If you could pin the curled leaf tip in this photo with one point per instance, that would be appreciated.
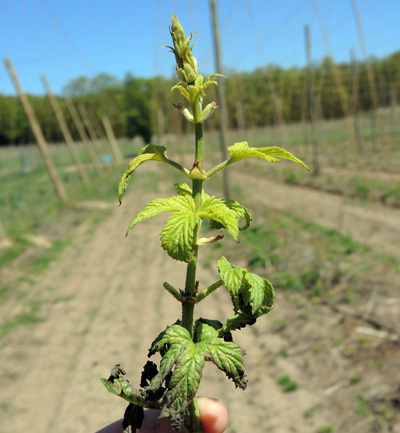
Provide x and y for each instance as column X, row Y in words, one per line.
column 211, row 239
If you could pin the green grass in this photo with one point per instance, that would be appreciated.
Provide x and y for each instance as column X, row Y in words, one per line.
column 42, row 261
column 299, row 256
column 287, row 384
column 29, row 205
column 362, row 405
column 326, row 429
column 30, row 316
column 309, row 413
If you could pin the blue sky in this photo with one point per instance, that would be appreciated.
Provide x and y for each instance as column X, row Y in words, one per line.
column 67, row 39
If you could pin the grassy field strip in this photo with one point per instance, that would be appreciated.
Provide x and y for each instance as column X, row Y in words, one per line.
column 371, row 224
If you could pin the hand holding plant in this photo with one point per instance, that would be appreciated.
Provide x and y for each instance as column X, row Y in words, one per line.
column 187, row 344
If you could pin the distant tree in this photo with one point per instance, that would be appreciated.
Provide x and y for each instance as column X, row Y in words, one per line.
column 76, row 87
column 136, row 107
column 102, row 82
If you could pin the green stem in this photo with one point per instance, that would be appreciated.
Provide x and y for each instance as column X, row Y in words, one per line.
column 172, row 291
column 178, row 166
column 209, row 290
column 195, row 416
column 217, row 168
column 199, row 143
column 190, row 284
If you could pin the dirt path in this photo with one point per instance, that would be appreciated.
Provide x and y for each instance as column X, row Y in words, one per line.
column 90, row 303
column 104, row 286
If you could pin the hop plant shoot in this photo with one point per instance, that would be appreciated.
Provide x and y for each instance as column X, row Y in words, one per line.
column 186, row 345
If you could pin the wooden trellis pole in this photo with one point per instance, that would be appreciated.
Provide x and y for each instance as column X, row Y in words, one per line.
column 112, row 139
column 89, row 127
column 37, row 132
column 65, row 131
column 85, row 139
column 312, row 104
column 98, row 129
column 356, row 112
column 371, row 81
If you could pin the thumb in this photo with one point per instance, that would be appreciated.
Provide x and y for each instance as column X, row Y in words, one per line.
column 213, row 415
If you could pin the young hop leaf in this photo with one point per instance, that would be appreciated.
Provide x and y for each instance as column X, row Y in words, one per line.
column 148, row 153
column 240, row 151
column 182, row 364
column 177, row 234
column 226, row 355
column 217, row 210
column 252, row 296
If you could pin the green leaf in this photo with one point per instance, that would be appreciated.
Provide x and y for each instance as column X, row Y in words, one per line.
column 184, row 383
column 177, row 234
column 257, row 291
column 252, row 296
column 269, row 298
column 166, row 365
column 185, row 360
column 240, row 151
column 183, row 189
column 232, row 277
column 175, row 334
column 238, row 321
column 183, row 91
column 226, row 355
column 241, row 213
column 160, row 205
column 109, row 386
column 148, row 153
column 217, row 210
column 124, row 389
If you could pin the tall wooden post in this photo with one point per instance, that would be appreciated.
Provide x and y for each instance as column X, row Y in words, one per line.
column 356, row 112
column 372, row 85
column 98, row 130
column 312, row 104
column 65, row 131
column 112, row 139
column 221, row 97
column 37, row 132
column 89, row 127
column 85, row 139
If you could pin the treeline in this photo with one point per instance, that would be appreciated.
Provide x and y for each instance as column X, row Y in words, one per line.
column 266, row 96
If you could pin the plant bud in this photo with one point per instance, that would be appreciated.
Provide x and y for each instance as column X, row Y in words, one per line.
column 206, row 113
column 177, row 32
column 185, row 111
column 187, row 65
column 190, row 73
